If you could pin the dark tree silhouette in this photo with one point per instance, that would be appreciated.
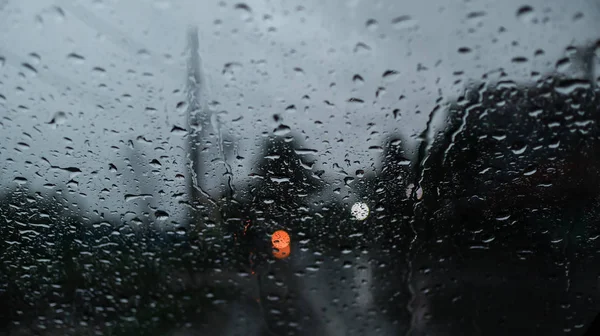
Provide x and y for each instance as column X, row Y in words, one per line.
column 70, row 269
column 286, row 179
column 511, row 188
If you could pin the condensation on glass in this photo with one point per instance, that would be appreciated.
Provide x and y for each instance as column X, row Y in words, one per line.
column 299, row 168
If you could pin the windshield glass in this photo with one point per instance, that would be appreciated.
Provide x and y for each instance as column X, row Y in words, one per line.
column 309, row 167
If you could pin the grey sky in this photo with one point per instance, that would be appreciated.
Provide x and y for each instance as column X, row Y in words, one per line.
column 114, row 67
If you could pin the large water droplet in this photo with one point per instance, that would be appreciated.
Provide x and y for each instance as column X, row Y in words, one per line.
column 155, row 164
column 20, row 180
column 526, row 14
column 23, row 146
column 390, row 75
column 179, row 131
column 161, row 215
column 245, row 11
column 357, row 79
column 282, row 130
column 30, row 71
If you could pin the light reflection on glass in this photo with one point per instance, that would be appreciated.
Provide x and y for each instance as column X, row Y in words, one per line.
column 360, row 211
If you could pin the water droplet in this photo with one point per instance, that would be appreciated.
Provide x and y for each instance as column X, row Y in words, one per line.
column 150, row 110
column 59, row 118
column 290, row 109
column 475, row 16
column 282, row 130
column 179, row 131
column 73, row 171
column 355, row 100
column 361, row 47
column 161, row 215
column 76, row 58
column 29, row 69
column 282, row 253
column 143, row 53
column 245, row 11
column 464, row 50
column 20, row 180
column 98, row 71
column 162, row 4
column 390, row 75
column 525, row 13
column 357, row 79
column 59, row 14
column 230, row 69
column 35, row 58
column 305, row 151
column 404, row 22
column 372, row 24
column 377, row 149
column 23, row 146
column 567, row 87
column 279, row 179
column 155, row 164
column 530, row 171
column 563, row 64
column 519, row 59
column 280, row 239
column 535, row 113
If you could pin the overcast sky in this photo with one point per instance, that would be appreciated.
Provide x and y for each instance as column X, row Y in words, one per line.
column 103, row 79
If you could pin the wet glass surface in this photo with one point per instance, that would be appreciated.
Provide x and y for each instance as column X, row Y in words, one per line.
column 299, row 168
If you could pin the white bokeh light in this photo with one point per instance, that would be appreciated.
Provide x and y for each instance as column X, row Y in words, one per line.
column 360, row 210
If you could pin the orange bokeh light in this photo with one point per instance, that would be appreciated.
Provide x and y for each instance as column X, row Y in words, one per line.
column 280, row 239
column 282, row 253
